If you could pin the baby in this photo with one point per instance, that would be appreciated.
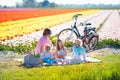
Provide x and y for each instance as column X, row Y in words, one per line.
column 47, row 56
column 78, row 51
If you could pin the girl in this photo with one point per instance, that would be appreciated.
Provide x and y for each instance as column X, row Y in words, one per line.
column 61, row 52
column 78, row 51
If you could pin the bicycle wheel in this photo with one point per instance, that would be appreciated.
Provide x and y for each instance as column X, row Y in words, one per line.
column 67, row 35
column 93, row 42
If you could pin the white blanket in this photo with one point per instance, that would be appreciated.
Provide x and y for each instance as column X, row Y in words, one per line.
column 88, row 59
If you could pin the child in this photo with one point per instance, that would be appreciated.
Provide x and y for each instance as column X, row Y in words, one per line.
column 77, row 52
column 61, row 52
column 47, row 56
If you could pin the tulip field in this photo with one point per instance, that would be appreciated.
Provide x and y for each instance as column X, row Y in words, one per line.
column 16, row 14
column 15, row 24
column 111, row 28
column 12, row 29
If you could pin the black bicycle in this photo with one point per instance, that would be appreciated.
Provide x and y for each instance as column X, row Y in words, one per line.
column 89, row 38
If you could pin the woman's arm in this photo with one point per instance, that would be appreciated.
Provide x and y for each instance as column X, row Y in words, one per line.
column 41, row 48
column 55, row 54
column 65, row 52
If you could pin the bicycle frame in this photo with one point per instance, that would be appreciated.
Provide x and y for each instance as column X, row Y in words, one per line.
column 75, row 29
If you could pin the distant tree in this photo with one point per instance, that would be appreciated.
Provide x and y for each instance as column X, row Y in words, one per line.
column 18, row 5
column 52, row 5
column 34, row 3
column 39, row 4
column 45, row 3
column 29, row 3
column 4, row 6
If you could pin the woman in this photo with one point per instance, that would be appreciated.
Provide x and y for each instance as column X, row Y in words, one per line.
column 44, row 41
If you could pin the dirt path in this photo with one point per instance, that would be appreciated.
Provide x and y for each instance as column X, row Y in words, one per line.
column 99, row 19
column 103, row 52
column 111, row 28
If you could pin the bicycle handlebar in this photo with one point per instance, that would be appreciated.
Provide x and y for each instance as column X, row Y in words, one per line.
column 76, row 15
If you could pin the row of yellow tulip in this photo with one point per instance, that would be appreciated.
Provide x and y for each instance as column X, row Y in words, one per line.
column 11, row 29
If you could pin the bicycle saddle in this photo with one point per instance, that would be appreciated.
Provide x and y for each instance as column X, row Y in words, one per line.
column 87, row 23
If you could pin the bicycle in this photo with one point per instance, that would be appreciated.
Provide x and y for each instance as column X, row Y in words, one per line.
column 89, row 38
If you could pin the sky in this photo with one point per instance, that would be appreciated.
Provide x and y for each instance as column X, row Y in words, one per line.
column 13, row 2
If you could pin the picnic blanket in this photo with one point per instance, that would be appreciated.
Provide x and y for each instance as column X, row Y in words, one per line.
column 30, row 60
column 88, row 59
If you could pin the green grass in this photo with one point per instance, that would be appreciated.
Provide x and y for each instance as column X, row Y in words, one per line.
column 23, row 48
column 106, row 70
column 109, row 43
column 19, row 49
column 54, row 39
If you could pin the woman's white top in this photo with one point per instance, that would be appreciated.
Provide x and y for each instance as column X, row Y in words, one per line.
column 61, row 53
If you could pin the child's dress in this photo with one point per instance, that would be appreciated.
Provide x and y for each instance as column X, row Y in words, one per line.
column 63, row 60
column 61, row 53
column 76, row 56
column 47, row 57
